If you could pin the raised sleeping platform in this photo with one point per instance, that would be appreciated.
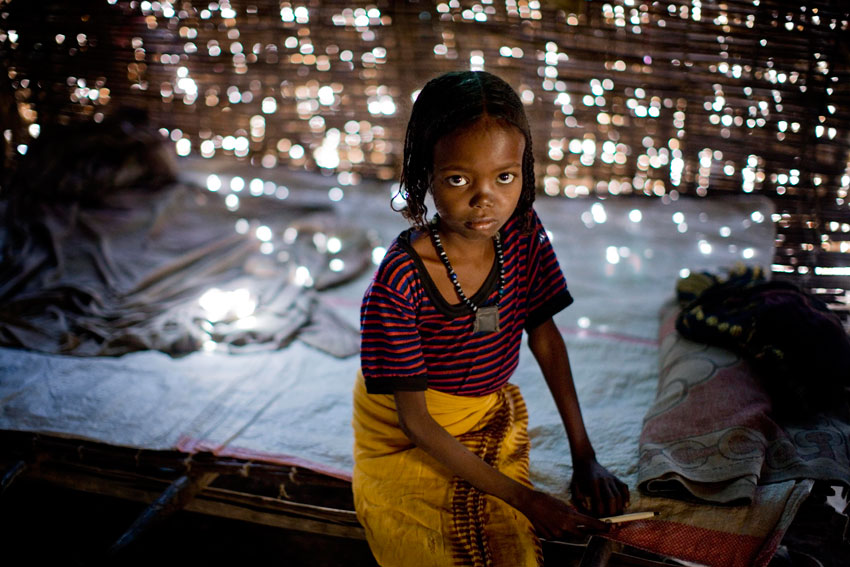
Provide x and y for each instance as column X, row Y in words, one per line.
column 196, row 198
column 243, row 430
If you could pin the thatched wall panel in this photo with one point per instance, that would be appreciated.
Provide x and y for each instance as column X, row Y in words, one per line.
column 762, row 86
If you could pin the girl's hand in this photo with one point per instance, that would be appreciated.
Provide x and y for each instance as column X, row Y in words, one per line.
column 554, row 518
column 597, row 491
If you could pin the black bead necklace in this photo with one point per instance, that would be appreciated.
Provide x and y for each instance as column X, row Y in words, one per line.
column 486, row 318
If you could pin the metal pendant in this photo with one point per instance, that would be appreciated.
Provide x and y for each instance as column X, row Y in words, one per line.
column 486, row 319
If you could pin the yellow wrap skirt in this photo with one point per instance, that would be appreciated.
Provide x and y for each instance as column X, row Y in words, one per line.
column 416, row 513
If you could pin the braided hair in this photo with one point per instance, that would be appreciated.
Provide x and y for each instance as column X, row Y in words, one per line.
column 446, row 104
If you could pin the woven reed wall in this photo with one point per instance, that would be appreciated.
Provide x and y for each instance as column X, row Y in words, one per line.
column 658, row 99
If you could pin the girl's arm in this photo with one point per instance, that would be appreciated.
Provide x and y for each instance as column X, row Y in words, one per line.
column 593, row 486
column 552, row 517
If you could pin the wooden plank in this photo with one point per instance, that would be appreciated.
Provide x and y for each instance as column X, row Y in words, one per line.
column 213, row 501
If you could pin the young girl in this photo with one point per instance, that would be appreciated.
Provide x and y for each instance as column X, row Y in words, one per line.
column 441, row 443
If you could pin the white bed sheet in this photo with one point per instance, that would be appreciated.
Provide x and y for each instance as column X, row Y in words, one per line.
column 296, row 402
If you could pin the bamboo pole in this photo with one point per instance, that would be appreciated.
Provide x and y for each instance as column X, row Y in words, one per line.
column 10, row 475
column 176, row 497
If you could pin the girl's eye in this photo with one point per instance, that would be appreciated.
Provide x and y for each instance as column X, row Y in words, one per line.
column 506, row 178
column 456, row 181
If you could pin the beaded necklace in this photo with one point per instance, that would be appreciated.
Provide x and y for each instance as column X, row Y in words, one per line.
column 486, row 318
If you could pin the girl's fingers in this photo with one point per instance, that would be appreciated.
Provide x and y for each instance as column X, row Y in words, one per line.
column 607, row 500
column 624, row 492
column 590, row 524
column 597, row 497
column 618, row 501
column 612, row 498
column 608, row 496
column 581, row 500
column 623, row 496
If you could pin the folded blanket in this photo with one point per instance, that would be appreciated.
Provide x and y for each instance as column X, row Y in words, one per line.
column 711, row 434
column 724, row 474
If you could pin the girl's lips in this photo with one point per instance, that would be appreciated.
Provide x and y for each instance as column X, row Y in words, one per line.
column 480, row 224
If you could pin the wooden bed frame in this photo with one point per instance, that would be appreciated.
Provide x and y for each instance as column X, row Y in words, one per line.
column 289, row 498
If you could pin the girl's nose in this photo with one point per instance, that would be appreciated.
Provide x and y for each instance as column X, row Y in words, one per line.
column 483, row 194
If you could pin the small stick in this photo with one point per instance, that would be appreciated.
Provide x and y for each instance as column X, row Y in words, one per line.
column 13, row 473
column 629, row 517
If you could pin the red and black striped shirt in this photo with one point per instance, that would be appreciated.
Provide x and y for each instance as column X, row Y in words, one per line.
column 413, row 339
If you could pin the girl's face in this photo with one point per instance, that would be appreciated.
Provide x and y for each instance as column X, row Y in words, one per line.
column 477, row 178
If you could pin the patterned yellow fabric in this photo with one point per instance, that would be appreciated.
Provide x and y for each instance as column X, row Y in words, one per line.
column 414, row 510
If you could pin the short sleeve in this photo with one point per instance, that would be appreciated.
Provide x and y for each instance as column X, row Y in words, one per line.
column 547, row 286
column 391, row 356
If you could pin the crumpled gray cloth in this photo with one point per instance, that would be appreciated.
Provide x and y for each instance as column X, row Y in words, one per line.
column 127, row 273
